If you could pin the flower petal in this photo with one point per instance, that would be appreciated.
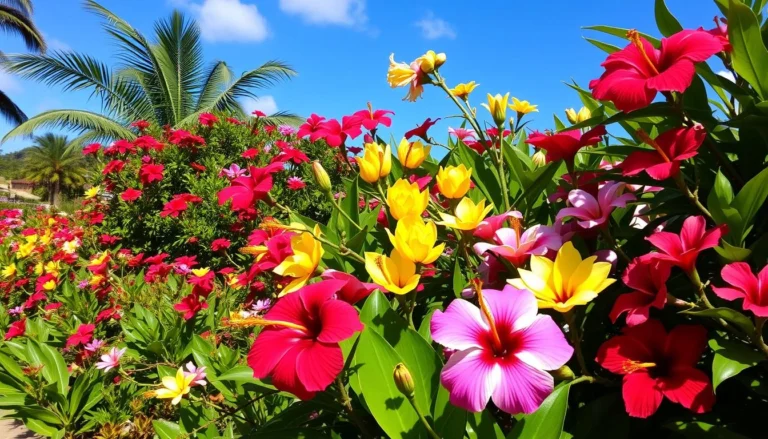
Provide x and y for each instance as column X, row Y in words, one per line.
column 543, row 345
column 522, row 388
column 470, row 378
column 685, row 344
column 318, row 365
column 339, row 321
column 641, row 396
column 460, row 327
column 690, row 388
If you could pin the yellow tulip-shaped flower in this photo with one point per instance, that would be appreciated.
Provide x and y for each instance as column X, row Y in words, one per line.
column 174, row 388
column 463, row 90
column 468, row 215
column 399, row 74
column 581, row 116
column 395, row 273
column 25, row 250
column 9, row 271
column 522, row 107
column 431, row 60
column 375, row 163
column 404, row 199
column 412, row 154
column 453, row 181
column 567, row 282
column 497, row 106
column 92, row 192
column 302, row 264
column 415, row 240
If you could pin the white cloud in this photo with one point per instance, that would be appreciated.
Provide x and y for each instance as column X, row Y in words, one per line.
column 339, row 12
column 727, row 74
column 47, row 104
column 433, row 28
column 266, row 104
column 227, row 20
column 9, row 84
column 54, row 44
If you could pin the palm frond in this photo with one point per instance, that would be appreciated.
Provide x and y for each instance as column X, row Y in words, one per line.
column 10, row 111
column 16, row 21
column 75, row 120
column 217, row 78
column 24, row 5
column 269, row 74
column 285, row 118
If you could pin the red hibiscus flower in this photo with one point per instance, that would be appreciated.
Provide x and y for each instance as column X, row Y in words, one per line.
column 121, row 146
column 335, row 133
column 220, row 244
column 657, row 365
column 421, row 130
column 353, row 290
column 312, row 128
column 174, row 208
column 234, row 121
column 141, row 125
column 291, row 155
column 109, row 313
column 634, row 75
column 147, row 143
column 720, row 32
column 17, row 329
column 190, row 305
column 565, row 145
column 207, row 119
column 151, row 172
column 671, row 148
column 743, row 284
column 250, row 153
column 647, row 277
column 371, row 119
column 130, row 195
column 259, row 113
column 83, row 335
column 246, row 191
column 184, row 138
column 197, row 167
column 299, row 346
column 93, row 148
column 683, row 249
column 106, row 239
column 113, row 166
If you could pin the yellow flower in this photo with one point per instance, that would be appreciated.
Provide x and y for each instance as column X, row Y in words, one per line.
column 463, row 90
column 581, row 116
column 412, row 154
column 522, row 107
column 38, row 270
column 96, row 280
column 399, row 74
column 70, row 246
column 233, row 281
column 53, row 267
column 415, row 240
column 50, row 285
column 567, row 282
column 395, row 273
column 9, row 271
column 175, row 387
column 468, row 215
column 404, row 199
column 375, row 163
column 497, row 106
column 302, row 264
column 430, row 61
column 46, row 237
column 453, row 181
column 92, row 192
column 200, row 272
column 25, row 250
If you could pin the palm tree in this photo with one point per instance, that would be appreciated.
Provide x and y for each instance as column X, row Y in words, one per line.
column 16, row 18
column 164, row 81
column 56, row 162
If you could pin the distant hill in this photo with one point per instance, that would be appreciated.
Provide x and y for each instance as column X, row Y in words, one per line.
column 10, row 164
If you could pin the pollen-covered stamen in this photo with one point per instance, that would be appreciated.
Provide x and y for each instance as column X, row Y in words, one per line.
column 238, row 321
column 370, row 109
column 631, row 366
column 477, row 285
column 647, row 139
column 516, row 226
column 634, row 37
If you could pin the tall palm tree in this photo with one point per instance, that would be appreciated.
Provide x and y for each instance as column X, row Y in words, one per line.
column 56, row 162
column 16, row 18
column 164, row 81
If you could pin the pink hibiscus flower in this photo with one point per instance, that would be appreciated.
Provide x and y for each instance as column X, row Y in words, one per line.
column 682, row 250
column 565, row 145
column 671, row 148
column 647, row 278
column 246, row 191
column 745, row 285
column 590, row 211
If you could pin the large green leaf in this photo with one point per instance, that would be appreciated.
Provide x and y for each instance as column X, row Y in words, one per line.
column 751, row 198
column 166, row 429
column 750, row 57
column 546, row 422
column 728, row 315
column 666, row 22
column 483, row 426
column 730, row 359
column 450, row 421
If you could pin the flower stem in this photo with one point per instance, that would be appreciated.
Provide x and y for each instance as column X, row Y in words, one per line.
column 424, row 420
column 693, row 197
column 346, row 402
column 757, row 336
column 341, row 211
column 614, row 245
column 573, row 328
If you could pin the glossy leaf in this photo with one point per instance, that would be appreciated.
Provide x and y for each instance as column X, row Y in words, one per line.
column 666, row 22
column 731, row 358
column 728, row 315
column 750, row 57
column 166, row 429
column 546, row 422
column 450, row 421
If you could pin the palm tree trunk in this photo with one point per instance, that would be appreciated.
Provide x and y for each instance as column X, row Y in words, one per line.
column 54, row 191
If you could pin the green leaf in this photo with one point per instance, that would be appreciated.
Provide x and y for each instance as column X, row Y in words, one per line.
column 666, row 22
column 605, row 47
column 242, row 375
column 166, row 429
column 483, row 426
column 57, row 367
column 546, row 422
column 750, row 57
column 751, row 198
column 458, row 278
column 731, row 253
column 622, row 33
column 376, row 361
column 730, row 359
column 728, row 315
column 450, row 421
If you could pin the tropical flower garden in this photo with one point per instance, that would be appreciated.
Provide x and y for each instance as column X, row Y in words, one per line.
column 240, row 277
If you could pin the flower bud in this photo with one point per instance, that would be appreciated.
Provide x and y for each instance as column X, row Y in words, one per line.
column 581, row 116
column 321, row 177
column 440, row 60
column 563, row 374
column 570, row 113
column 539, row 158
column 404, row 380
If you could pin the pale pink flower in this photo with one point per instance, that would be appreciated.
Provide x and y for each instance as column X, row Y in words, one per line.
column 591, row 212
column 516, row 246
column 197, row 372
column 511, row 369
column 261, row 306
column 16, row 311
column 234, row 171
column 463, row 133
column 94, row 345
column 111, row 359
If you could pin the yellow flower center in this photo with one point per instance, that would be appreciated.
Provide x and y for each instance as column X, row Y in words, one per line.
column 631, row 366
column 498, row 348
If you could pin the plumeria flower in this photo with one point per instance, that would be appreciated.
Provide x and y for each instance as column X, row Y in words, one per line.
column 262, row 306
column 743, row 284
column 233, row 172
column 94, row 345
column 197, row 373
column 590, row 211
column 516, row 245
column 503, row 350
column 175, row 387
column 111, row 360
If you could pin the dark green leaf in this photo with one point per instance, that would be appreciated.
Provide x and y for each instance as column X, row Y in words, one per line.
column 750, row 57
column 730, row 359
column 547, row 421
column 666, row 22
column 728, row 315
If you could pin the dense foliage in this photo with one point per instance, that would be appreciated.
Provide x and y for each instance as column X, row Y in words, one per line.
column 603, row 278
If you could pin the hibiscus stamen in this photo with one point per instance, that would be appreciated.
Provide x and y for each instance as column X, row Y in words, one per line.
column 634, row 37
column 647, row 139
column 516, row 226
column 248, row 322
column 370, row 109
column 631, row 366
column 498, row 348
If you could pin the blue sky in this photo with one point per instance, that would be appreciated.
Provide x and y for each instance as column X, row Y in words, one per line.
column 340, row 48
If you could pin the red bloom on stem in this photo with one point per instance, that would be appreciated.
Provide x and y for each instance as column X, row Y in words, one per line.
column 207, row 119
column 647, row 277
column 312, row 128
column 220, row 244
column 299, row 346
column 109, row 313
column 721, row 33
column 17, row 329
column 291, row 155
column 130, row 195
column 743, row 284
column 670, row 149
column 421, row 130
column 371, row 119
column 83, row 335
column 259, row 113
column 657, row 365
column 93, row 148
column 295, row 183
column 565, row 145
column 147, row 143
column 184, row 138
column 683, row 249
column 190, row 305
column 335, row 133
column 141, row 125
column 246, row 191
column 174, row 208
column 149, row 173
column 250, row 153
column 121, row 146
column 636, row 73
column 113, row 166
